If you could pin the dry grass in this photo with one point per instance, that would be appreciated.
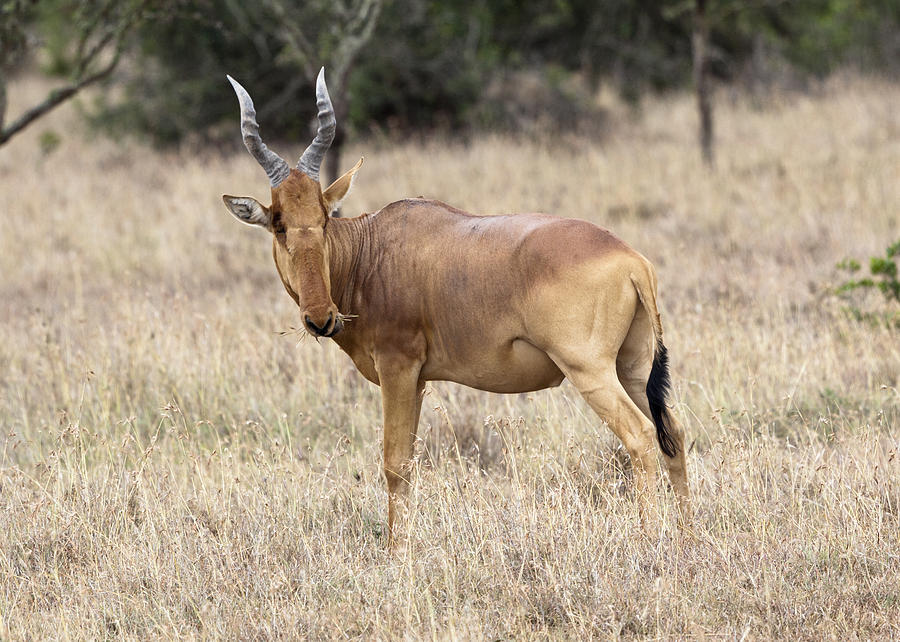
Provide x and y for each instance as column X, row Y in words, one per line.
column 171, row 465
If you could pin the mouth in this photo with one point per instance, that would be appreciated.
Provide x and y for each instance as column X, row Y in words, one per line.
column 332, row 326
column 336, row 327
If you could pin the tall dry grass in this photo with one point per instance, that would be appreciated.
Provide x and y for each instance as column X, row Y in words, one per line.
column 172, row 465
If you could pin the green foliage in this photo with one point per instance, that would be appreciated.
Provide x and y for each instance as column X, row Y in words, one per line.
column 823, row 35
column 178, row 89
column 639, row 45
column 433, row 63
column 49, row 141
column 428, row 67
column 14, row 16
column 883, row 277
column 74, row 34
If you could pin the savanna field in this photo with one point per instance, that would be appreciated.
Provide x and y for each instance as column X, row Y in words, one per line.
column 176, row 461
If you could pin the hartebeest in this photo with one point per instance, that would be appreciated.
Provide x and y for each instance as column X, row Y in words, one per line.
column 500, row 303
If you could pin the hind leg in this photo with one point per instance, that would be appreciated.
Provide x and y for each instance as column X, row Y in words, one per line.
column 600, row 387
column 633, row 365
column 675, row 466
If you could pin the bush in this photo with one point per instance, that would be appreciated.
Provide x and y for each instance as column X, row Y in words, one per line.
column 883, row 277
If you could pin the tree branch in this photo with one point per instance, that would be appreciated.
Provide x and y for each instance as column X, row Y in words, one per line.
column 2, row 99
column 298, row 46
column 112, row 39
column 90, row 26
column 352, row 43
column 54, row 99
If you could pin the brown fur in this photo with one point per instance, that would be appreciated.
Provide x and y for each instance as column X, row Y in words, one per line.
column 502, row 303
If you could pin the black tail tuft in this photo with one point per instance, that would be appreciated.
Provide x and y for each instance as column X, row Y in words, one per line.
column 657, row 391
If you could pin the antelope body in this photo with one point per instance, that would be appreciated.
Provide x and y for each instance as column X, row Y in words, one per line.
column 500, row 303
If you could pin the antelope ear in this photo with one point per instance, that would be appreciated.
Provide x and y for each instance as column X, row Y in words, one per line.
column 339, row 189
column 248, row 210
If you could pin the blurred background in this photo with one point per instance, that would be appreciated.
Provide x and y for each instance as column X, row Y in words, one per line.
column 397, row 67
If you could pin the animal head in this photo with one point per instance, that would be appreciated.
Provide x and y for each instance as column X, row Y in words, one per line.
column 299, row 212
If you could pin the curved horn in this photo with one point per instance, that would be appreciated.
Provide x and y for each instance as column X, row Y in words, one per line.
column 311, row 160
column 276, row 167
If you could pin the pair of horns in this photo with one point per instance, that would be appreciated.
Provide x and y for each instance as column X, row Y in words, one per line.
column 276, row 167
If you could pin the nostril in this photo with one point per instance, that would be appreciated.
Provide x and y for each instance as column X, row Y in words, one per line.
column 320, row 330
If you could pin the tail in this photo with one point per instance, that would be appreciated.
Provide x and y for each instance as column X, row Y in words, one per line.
column 658, row 384
column 657, row 391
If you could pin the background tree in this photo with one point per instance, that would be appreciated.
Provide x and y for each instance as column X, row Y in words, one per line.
column 87, row 40
column 306, row 46
column 422, row 65
column 700, row 40
column 274, row 48
column 13, row 43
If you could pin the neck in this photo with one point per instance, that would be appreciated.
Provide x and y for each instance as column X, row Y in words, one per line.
column 346, row 240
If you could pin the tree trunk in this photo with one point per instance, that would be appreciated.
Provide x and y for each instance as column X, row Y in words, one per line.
column 701, row 81
column 2, row 99
column 334, row 166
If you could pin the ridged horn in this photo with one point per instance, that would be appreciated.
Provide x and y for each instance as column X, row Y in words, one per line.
column 311, row 160
column 276, row 167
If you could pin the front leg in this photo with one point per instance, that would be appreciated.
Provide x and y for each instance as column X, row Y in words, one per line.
column 401, row 399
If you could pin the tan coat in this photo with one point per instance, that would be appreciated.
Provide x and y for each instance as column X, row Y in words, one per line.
column 421, row 291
